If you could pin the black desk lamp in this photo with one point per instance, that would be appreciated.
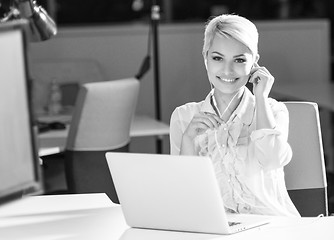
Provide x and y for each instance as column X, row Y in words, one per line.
column 41, row 25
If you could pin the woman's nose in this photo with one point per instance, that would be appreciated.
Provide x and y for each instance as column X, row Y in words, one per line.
column 227, row 68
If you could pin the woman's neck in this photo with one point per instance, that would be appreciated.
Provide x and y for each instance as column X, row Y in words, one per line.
column 227, row 103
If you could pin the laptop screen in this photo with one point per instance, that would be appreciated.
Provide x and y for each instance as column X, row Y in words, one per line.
column 19, row 165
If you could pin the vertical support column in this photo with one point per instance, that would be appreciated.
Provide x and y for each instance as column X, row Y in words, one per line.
column 155, row 17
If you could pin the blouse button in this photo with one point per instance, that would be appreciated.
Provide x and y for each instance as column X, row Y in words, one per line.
column 223, row 145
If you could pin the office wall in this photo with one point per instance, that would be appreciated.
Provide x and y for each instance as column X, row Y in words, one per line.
column 292, row 50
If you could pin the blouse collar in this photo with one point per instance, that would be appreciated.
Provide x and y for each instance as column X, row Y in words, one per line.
column 244, row 112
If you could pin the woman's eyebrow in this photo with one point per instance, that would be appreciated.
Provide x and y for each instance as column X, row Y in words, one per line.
column 240, row 55
column 218, row 53
column 236, row 56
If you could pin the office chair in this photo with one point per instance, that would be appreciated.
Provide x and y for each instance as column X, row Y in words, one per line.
column 101, row 122
column 305, row 175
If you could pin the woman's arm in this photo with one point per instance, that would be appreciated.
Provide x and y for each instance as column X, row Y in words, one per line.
column 272, row 122
column 270, row 146
column 264, row 114
column 262, row 83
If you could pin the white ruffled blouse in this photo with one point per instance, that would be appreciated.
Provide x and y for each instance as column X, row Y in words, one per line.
column 248, row 163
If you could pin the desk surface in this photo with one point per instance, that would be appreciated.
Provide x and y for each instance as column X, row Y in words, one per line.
column 94, row 216
column 54, row 141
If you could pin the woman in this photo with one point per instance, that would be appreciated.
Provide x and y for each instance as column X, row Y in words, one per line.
column 244, row 133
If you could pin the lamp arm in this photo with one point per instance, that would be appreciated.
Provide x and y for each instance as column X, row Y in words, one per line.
column 42, row 25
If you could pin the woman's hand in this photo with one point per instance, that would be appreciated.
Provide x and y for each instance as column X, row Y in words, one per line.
column 198, row 125
column 262, row 81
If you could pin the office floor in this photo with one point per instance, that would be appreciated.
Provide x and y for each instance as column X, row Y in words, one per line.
column 55, row 181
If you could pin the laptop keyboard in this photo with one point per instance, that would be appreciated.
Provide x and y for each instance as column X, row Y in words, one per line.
column 233, row 223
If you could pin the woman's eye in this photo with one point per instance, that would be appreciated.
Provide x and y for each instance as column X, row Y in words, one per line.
column 217, row 58
column 240, row 60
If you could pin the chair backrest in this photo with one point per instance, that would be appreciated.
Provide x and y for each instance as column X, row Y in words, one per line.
column 103, row 114
column 305, row 175
column 101, row 122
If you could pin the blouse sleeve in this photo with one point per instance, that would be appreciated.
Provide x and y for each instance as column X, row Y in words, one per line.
column 270, row 146
column 175, row 133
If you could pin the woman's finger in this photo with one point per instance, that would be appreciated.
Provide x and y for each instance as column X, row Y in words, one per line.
column 214, row 118
column 207, row 121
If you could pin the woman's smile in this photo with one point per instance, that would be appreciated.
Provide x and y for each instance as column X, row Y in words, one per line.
column 227, row 80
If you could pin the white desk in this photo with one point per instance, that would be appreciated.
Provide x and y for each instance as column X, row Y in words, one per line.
column 54, row 141
column 94, row 216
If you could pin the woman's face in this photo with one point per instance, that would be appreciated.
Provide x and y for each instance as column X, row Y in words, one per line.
column 228, row 64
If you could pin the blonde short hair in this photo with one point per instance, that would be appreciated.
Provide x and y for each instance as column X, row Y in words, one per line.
column 230, row 25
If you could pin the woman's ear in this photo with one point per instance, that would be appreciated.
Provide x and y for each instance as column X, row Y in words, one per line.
column 205, row 61
column 257, row 57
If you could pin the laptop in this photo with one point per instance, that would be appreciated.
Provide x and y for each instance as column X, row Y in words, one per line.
column 168, row 192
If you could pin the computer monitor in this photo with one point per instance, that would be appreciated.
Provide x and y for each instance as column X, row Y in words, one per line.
column 20, row 171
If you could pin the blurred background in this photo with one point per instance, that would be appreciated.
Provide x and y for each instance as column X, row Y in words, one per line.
column 89, row 12
column 106, row 12
column 108, row 39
